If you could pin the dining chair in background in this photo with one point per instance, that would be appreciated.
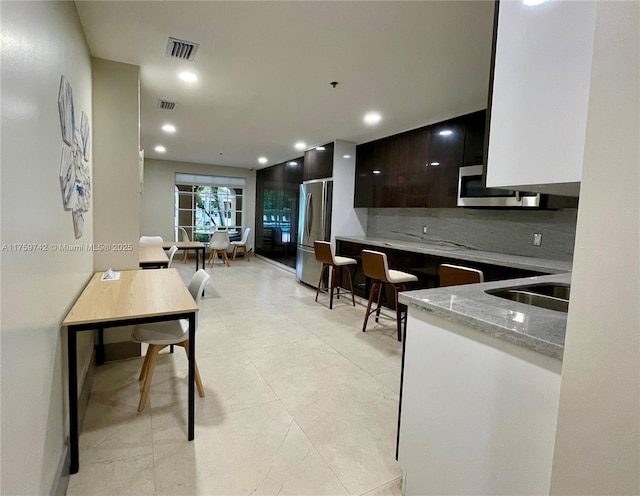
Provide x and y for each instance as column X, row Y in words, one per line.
column 151, row 239
column 242, row 244
column 172, row 252
column 184, row 237
column 159, row 335
column 219, row 244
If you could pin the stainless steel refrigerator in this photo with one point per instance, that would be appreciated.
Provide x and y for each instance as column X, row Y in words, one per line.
column 314, row 224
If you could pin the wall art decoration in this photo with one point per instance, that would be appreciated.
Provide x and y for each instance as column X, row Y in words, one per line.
column 65, row 107
column 75, row 172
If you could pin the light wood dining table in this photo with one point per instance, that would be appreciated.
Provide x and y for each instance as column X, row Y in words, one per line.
column 136, row 297
column 196, row 246
column 152, row 255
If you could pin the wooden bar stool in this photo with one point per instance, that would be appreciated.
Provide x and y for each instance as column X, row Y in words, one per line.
column 376, row 267
column 324, row 254
column 454, row 275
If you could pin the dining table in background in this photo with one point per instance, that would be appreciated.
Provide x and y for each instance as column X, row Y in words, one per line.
column 152, row 255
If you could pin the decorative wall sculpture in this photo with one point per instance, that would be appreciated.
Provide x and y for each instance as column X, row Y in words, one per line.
column 75, row 174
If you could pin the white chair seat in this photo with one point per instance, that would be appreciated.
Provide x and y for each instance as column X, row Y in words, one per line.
column 397, row 277
column 338, row 260
column 170, row 332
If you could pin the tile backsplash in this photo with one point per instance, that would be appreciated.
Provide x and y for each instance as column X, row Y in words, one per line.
column 496, row 230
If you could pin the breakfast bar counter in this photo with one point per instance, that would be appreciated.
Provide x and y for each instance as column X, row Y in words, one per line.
column 453, row 251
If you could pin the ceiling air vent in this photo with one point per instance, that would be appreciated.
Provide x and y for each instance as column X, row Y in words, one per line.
column 166, row 105
column 181, row 49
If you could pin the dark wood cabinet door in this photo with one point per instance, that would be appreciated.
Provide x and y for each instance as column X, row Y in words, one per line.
column 385, row 172
column 318, row 164
column 363, row 195
column 413, row 187
column 474, row 138
column 445, row 153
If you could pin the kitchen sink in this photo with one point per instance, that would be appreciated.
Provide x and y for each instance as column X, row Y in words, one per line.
column 549, row 296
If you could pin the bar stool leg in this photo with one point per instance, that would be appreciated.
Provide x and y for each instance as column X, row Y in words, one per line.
column 324, row 266
column 332, row 285
column 372, row 295
column 380, row 296
column 353, row 298
column 398, row 313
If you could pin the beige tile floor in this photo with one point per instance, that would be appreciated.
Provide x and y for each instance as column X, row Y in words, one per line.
column 299, row 401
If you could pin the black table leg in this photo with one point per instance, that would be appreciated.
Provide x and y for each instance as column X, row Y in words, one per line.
column 100, row 347
column 73, row 400
column 192, row 374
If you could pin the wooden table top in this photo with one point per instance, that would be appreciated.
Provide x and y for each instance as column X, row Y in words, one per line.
column 152, row 253
column 183, row 244
column 138, row 293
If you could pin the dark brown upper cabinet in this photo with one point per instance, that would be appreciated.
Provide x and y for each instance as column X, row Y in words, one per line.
column 318, row 164
column 474, row 138
column 418, row 168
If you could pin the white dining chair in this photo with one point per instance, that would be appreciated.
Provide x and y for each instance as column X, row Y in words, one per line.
column 219, row 244
column 184, row 237
column 159, row 335
column 172, row 252
column 241, row 245
column 151, row 239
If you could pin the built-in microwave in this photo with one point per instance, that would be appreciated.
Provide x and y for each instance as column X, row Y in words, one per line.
column 473, row 193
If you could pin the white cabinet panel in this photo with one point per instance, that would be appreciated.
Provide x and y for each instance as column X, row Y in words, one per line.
column 478, row 414
column 541, row 85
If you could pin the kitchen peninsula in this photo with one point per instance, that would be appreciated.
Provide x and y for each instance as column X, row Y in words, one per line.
column 480, row 390
column 481, row 374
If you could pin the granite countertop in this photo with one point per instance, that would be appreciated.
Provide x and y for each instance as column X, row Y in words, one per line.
column 535, row 328
column 460, row 253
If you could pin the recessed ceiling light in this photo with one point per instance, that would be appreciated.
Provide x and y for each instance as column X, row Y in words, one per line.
column 189, row 77
column 435, row 164
column 376, row 171
column 293, row 163
column 346, row 156
column 446, row 132
column 263, row 160
column 372, row 118
column 169, row 128
column 300, row 145
column 320, row 148
column 160, row 149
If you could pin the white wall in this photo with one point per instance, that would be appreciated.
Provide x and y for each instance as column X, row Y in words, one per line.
column 345, row 220
column 158, row 198
column 116, row 147
column 40, row 42
column 597, row 449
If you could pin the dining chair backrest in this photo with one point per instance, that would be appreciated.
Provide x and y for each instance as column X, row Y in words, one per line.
column 245, row 236
column 454, row 275
column 220, row 240
column 172, row 252
column 151, row 239
column 184, row 236
column 324, row 252
column 197, row 283
column 375, row 265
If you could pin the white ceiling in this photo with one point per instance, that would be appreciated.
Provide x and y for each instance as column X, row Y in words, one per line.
column 264, row 70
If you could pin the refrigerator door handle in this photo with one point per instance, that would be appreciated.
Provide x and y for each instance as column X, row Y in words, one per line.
column 309, row 215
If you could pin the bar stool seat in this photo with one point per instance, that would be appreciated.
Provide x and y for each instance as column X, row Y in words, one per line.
column 324, row 255
column 376, row 267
